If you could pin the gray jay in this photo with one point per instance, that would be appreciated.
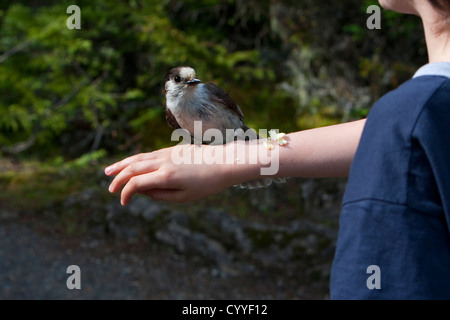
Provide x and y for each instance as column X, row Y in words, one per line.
column 189, row 100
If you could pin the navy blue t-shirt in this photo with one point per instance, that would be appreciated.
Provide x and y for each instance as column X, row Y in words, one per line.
column 394, row 235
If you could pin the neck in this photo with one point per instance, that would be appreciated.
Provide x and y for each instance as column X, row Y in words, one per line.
column 437, row 33
column 438, row 45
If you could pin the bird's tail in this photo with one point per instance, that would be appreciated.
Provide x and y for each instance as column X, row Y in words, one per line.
column 260, row 183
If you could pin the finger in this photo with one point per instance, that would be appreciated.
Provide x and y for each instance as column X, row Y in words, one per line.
column 120, row 165
column 143, row 182
column 133, row 169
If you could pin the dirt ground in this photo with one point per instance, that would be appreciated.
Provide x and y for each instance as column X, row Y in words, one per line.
column 34, row 258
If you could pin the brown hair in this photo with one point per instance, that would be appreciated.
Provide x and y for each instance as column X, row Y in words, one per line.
column 443, row 5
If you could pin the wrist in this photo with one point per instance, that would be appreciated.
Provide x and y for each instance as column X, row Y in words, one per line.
column 242, row 161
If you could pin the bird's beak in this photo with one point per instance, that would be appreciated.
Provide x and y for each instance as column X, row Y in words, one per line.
column 193, row 81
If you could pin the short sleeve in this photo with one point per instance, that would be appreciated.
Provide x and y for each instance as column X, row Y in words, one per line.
column 432, row 131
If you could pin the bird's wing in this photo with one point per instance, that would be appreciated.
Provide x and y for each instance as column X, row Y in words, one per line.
column 171, row 120
column 221, row 96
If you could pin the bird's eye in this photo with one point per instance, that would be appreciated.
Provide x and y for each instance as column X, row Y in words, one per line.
column 177, row 79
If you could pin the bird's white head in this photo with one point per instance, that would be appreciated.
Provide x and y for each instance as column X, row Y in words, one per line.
column 180, row 78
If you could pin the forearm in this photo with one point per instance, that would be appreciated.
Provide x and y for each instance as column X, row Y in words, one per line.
column 315, row 153
column 167, row 174
column 321, row 152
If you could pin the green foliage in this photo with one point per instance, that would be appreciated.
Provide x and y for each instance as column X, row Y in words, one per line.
column 289, row 64
column 35, row 186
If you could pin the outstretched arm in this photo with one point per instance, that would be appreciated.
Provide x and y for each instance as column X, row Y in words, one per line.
column 321, row 152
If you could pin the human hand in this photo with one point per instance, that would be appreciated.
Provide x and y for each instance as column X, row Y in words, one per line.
column 158, row 176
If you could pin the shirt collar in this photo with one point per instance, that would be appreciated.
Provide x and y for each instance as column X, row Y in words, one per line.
column 434, row 69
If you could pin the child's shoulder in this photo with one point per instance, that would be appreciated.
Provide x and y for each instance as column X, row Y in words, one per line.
column 414, row 94
column 424, row 86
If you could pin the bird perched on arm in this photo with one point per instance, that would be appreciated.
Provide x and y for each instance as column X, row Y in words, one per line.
column 189, row 100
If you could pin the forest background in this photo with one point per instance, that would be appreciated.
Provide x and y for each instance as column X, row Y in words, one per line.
column 75, row 100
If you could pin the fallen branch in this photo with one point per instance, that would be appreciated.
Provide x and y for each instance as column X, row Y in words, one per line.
column 15, row 50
